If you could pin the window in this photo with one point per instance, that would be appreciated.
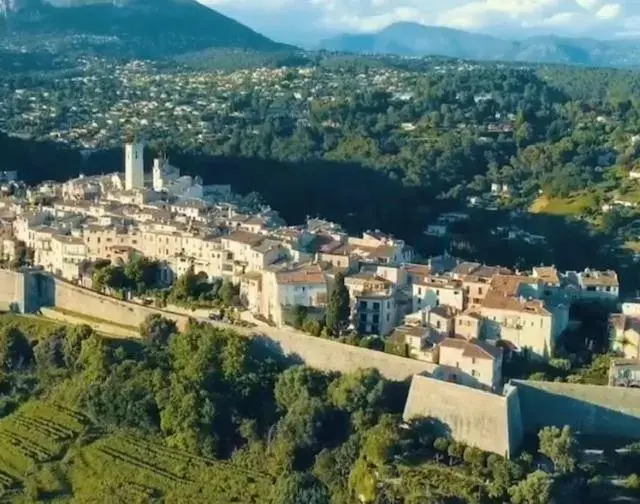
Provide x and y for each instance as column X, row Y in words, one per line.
column 479, row 291
column 363, row 305
column 438, row 324
column 457, row 364
column 388, row 317
column 474, row 373
column 419, row 291
column 376, row 319
column 473, row 360
column 376, row 306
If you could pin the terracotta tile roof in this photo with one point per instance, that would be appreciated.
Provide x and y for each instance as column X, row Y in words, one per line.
column 475, row 349
column 256, row 220
column 399, row 333
column 305, row 274
column 418, row 269
column 245, row 237
column 599, row 278
column 266, row 246
column 444, row 311
column 513, row 304
column 548, row 274
column 508, row 285
column 465, row 268
column 491, row 271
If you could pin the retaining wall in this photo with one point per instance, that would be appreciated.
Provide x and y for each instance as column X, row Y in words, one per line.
column 12, row 291
column 468, row 415
column 587, row 409
column 87, row 302
column 333, row 356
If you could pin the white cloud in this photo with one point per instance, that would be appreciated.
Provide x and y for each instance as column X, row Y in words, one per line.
column 588, row 4
column 594, row 18
column 558, row 20
column 609, row 11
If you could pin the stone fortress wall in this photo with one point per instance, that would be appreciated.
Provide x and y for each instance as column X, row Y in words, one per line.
column 475, row 417
column 491, row 422
column 12, row 291
column 588, row 409
column 61, row 294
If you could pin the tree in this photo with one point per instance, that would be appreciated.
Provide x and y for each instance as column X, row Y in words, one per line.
column 49, row 352
column 15, row 350
column 363, row 482
column 476, row 458
column 296, row 488
column 338, row 308
column 632, row 482
column 560, row 446
column 228, row 293
column 157, row 330
column 73, row 343
column 21, row 255
column 299, row 382
column 535, row 489
column 141, row 273
column 382, row 441
column 299, row 316
column 361, row 393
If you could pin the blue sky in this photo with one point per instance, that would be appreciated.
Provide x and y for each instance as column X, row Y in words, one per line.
column 291, row 20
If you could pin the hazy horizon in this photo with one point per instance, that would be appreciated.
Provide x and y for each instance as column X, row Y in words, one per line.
column 311, row 20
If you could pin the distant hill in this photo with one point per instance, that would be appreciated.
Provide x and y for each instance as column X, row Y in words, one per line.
column 145, row 27
column 412, row 39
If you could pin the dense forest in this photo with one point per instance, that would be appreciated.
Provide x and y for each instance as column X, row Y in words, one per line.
column 208, row 416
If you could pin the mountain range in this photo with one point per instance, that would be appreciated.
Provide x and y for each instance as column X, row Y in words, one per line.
column 147, row 27
column 413, row 39
column 159, row 28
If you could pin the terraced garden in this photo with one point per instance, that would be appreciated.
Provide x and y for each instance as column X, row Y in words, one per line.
column 66, row 458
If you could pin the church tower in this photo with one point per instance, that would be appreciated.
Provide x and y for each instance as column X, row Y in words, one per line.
column 134, row 165
column 159, row 173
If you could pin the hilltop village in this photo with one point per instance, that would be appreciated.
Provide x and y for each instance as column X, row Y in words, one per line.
column 464, row 316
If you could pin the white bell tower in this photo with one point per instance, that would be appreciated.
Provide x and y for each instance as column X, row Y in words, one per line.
column 134, row 165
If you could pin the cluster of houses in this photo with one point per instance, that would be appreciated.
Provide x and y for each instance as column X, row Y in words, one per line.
column 457, row 314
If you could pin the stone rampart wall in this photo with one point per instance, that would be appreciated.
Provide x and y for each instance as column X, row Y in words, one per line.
column 87, row 302
column 587, row 409
column 12, row 292
column 468, row 415
column 333, row 356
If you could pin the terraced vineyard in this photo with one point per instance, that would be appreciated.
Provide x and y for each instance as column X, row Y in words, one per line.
column 61, row 453
column 145, row 468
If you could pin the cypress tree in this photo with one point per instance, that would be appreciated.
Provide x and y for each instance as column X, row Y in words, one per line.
column 338, row 309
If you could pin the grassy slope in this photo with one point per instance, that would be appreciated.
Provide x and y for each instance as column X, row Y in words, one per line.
column 573, row 205
column 51, row 452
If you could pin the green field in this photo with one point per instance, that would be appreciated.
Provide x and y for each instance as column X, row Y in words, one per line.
column 573, row 205
column 50, row 453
